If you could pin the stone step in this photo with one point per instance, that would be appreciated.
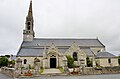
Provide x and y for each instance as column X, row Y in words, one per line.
column 51, row 71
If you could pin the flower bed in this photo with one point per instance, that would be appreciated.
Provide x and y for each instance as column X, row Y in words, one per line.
column 27, row 74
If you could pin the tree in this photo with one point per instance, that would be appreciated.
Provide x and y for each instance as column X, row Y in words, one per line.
column 11, row 63
column 8, row 56
column 70, row 61
column 3, row 61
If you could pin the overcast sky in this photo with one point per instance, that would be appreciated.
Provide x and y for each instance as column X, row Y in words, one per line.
column 60, row 18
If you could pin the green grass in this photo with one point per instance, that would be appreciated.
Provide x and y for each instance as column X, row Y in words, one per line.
column 61, row 69
column 41, row 70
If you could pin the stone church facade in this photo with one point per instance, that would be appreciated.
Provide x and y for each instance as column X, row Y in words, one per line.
column 52, row 52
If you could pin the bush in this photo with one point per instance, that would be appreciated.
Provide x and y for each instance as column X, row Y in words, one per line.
column 70, row 61
column 89, row 62
column 3, row 61
column 30, row 67
column 41, row 70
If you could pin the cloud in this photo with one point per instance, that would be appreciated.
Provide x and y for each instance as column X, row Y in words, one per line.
column 60, row 18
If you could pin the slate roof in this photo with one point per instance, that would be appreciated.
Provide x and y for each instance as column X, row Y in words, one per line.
column 63, row 42
column 62, row 50
column 88, row 52
column 36, row 47
column 105, row 55
column 30, row 52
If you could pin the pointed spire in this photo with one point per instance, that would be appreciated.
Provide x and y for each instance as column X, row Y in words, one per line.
column 29, row 33
column 30, row 9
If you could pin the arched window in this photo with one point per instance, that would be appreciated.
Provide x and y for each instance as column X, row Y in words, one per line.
column 75, row 56
column 25, row 61
column 109, row 60
column 28, row 25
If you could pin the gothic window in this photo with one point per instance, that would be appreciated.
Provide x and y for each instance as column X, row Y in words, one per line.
column 75, row 56
column 25, row 61
column 109, row 60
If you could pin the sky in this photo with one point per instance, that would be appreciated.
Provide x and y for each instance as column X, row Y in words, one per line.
column 60, row 18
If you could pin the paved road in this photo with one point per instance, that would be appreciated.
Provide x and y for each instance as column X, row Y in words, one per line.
column 116, row 76
column 110, row 76
column 4, row 76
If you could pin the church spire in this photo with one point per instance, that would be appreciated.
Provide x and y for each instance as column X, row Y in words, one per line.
column 30, row 13
column 30, row 9
column 29, row 32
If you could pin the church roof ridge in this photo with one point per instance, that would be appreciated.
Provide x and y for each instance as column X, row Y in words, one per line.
column 65, row 38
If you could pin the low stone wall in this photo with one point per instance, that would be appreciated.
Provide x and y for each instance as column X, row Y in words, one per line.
column 84, row 71
column 16, row 73
column 8, row 71
column 105, row 70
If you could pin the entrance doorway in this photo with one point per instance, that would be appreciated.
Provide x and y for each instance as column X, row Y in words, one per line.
column 52, row 62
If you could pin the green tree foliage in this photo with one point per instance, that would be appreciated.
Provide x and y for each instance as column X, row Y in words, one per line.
column 11, row 63
column 89, row 62
column 70, row 61
column 3, row 61
column 8, row 56
column 119, row 60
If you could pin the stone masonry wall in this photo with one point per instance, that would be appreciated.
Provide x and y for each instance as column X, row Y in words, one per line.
column 105, row 70
column 8, row 71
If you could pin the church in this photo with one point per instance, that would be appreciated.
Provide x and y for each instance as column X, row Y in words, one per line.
column 52, row 52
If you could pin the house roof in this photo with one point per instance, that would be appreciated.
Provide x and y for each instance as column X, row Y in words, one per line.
column 105, row 55
column 36, row 47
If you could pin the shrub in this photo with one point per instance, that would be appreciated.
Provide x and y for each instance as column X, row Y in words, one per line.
column 41, row 70
column 89, row 62
column 70, row 61
column 3, row 61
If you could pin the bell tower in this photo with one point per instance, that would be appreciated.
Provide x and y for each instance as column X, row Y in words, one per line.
column 28, row 33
